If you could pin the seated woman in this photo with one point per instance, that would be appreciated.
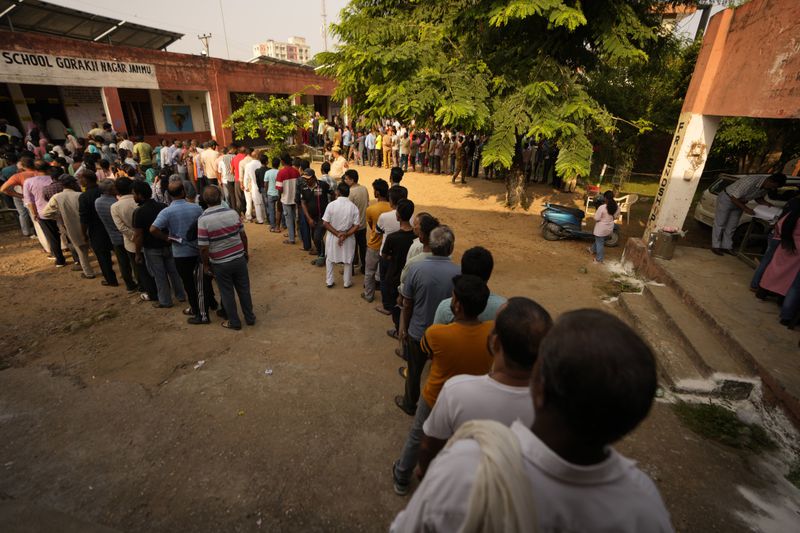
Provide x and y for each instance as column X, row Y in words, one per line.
column 782, row 271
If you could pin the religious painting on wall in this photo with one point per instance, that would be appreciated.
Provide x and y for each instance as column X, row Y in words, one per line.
column 178, row 118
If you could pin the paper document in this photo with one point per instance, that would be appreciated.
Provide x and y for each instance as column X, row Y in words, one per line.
column 767, row 212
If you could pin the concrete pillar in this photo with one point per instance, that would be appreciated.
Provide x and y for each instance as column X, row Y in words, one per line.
column 678, row 183
column 693, row 135
column 21, row 105
column 113, row 109
column 210, row 114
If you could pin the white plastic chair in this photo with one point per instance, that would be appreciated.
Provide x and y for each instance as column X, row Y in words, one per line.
column 625, row 203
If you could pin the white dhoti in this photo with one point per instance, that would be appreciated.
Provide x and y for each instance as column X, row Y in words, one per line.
column 343, row 215
column 255, row 203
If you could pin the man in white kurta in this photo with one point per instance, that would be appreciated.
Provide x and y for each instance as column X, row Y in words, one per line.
column 341, row 219
column 253, row 198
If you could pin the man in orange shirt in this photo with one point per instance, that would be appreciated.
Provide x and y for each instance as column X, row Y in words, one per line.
column 456, row 348
column 374, row 239
column 27, row 169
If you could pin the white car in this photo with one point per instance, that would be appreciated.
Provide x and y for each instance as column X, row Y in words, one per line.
column 707, row 206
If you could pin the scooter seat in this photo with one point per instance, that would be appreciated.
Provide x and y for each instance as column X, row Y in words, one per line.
column 574, row 211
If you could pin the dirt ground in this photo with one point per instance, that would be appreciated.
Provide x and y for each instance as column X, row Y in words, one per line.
column 114, row 421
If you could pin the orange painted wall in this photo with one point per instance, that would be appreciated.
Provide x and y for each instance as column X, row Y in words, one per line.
column 749, row 64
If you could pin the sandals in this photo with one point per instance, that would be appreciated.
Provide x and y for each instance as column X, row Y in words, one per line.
column 227, row 325
column 383, row 311
column 287, row 241
column 392, row 333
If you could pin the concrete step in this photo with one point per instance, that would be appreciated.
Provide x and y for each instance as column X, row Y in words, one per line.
column 699, row 338
column 676, row 368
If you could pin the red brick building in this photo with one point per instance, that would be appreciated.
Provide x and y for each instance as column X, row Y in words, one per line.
column 141, row 91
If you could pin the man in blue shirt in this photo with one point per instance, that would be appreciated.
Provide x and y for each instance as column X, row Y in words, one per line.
column 272, row 197
column 178, row 224
column 428, row 282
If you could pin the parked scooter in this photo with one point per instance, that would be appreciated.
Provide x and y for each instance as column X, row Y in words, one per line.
column 561, row 222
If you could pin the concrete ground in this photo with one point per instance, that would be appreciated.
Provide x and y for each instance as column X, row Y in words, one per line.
column 122, row 415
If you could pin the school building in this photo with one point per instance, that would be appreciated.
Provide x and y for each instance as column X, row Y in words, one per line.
column 63, row 67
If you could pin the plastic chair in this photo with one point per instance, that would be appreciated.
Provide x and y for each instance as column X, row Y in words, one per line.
column 625, row 203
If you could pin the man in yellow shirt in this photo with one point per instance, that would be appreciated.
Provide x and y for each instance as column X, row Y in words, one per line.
column 386, row 145
column 379, row 149
column 374, row 239
column 457, row 348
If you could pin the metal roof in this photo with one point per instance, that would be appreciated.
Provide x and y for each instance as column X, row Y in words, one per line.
column 42, row 17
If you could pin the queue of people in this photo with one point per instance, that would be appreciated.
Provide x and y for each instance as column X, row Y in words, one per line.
column 505, row 433
column 170, row 232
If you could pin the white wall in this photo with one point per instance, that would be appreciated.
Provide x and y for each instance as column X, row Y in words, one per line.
column 194, row 99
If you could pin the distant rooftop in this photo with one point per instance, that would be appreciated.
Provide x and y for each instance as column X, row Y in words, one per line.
column 36, row 16
column 268, row 59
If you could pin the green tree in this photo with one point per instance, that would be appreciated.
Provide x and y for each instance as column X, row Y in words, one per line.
column 753, row 145
column 646, row 97
column 274, row 119
column 510, row 68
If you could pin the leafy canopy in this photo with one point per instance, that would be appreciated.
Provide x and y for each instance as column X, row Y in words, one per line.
column 510, row 68
column 274, row 119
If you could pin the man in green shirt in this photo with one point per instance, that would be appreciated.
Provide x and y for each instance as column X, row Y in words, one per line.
column 144, row 153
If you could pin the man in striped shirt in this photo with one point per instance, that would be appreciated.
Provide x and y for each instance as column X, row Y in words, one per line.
column 223, row 249
column 732, row 202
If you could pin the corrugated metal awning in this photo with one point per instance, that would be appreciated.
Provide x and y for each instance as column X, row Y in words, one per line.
column 42, row 17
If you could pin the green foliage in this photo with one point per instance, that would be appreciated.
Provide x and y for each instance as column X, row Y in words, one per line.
column 509, row 68
column 643, row 97
column 274, row 119
column 721, row 425
column 739, row 135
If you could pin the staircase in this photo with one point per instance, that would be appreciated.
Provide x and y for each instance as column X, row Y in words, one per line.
column 693, row 356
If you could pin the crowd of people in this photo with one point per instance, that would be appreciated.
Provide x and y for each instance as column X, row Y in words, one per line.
column 458, row 154
column 512, row 428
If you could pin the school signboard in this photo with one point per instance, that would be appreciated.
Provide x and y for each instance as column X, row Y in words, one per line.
column 26, row 67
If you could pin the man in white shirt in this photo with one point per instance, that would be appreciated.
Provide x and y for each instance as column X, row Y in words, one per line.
column 341, row 219
column 253, row 198
column 593, row 382
column 504, row 393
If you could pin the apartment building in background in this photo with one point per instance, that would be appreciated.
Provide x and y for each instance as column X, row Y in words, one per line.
column 295, row 49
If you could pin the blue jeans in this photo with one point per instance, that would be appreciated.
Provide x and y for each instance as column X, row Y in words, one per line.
column 270, row 202
column 305, row 231
column 772, row 245
column 25, row 223
column 161, row 266
column 791, row 302
column 599, row 248
column 404, row 162
column 288, row 216
column 408, row 458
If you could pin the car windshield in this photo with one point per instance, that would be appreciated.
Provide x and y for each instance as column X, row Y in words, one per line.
column 719, row 185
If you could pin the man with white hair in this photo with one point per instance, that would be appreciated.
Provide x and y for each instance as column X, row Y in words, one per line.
column 427, row 283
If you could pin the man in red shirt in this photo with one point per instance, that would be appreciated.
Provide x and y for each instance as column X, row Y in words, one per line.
column 239, row 203
column 286, row 183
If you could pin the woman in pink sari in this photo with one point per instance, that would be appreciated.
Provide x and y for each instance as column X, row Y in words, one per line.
column 780, row 275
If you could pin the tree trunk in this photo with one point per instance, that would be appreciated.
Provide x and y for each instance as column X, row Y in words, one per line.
column 516, row 188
